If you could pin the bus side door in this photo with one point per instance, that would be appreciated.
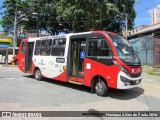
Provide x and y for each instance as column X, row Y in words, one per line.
column 77, row 56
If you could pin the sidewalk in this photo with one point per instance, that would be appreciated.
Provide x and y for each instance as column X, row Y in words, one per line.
column 151, row 78
column 4, row 66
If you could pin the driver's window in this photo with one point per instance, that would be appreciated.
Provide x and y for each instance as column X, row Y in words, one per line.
column 24, row 47
column 98, row 47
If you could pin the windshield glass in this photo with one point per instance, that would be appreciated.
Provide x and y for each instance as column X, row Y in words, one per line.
column 124, row 50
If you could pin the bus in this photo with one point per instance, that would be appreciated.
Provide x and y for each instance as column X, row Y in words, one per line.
column 4, row 52
column 97, row 59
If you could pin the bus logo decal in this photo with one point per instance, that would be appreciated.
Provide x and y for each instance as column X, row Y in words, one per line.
column 41, row 63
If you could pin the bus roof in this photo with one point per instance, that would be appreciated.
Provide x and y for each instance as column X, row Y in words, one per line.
column 64, row 35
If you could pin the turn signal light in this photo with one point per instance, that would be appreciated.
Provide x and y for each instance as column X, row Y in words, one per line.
column 112, row 82
column 64, row 67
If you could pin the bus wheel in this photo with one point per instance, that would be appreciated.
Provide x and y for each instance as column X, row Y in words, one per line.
column 101, row 88
column 37, row 74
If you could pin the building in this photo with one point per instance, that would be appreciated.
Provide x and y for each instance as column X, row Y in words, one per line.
column 146, row 43
column 2, row 33
column 156, row 15
column 135, row 30
column 5, row 41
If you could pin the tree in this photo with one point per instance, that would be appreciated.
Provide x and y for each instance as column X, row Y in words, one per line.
column 43, row 19
column 69, row 16
column 95, row 14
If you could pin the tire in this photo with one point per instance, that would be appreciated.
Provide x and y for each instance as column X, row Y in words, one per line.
column 37, row 75
column 101, row 88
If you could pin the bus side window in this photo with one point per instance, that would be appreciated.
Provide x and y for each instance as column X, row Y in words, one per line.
column 24, row 46
column 37, row 47
column 46, row 47
column 58, row 47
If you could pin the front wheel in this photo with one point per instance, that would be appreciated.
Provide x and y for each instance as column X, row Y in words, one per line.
column 37, row 75
column 101, row 88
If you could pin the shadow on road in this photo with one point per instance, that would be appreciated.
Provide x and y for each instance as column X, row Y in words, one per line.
column 29, row 76
column 113, row 93
column 64, row 84
column 126, row 94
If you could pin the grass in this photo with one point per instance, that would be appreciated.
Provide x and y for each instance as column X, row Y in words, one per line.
column 152, row 70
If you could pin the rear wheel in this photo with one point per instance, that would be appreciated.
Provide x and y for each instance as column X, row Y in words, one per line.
column 101, row 88
column 37, row 74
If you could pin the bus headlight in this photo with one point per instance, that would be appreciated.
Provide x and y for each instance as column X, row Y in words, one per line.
column 122, row 68
column 125, row 80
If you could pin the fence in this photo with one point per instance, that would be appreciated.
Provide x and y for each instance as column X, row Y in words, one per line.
column 147, row 48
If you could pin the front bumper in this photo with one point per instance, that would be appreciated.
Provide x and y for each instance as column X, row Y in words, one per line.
column 126, row 82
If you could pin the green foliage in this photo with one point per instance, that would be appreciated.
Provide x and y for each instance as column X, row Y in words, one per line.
column 152, row 70
column 12, row 7
column 68, row 15
column 0, row 22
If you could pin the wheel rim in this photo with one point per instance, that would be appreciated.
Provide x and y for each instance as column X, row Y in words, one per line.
column 99, row 87
column 37, row 74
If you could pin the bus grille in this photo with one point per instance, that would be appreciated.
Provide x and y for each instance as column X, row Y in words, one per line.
column 136, row 75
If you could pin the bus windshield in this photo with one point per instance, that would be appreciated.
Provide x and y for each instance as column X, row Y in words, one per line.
column 124, row 50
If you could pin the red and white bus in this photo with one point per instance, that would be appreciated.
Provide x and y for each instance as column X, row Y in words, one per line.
column 96, row 59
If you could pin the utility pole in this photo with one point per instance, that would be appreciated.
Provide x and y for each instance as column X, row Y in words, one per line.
column 37, row 29
column 126, row 19
column 15, row 22
column 14, row 37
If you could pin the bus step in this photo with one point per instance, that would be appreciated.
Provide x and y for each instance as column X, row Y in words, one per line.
column 75, row 82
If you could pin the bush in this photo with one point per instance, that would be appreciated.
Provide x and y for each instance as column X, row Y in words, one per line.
column 153, row 70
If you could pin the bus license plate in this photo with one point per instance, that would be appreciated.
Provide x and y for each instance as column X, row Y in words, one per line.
column 137, row 81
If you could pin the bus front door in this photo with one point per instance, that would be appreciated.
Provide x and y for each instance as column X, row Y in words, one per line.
column 29, row 55
column 77, row 55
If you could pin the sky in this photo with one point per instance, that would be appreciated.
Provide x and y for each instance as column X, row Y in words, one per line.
column 143, row 11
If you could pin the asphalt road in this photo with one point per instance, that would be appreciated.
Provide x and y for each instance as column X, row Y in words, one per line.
column 19, row 91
